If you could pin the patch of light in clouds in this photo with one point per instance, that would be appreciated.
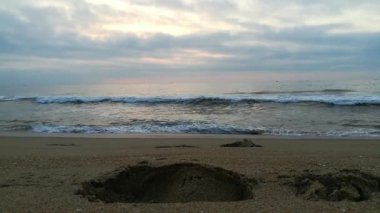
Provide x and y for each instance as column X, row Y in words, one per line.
column 115, row 38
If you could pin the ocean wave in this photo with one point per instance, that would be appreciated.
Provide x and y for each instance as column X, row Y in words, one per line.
column 373, row 126
column 17, row 98
column 342, row 100
column 358, row 132
column 197, row 128
column 189, row 128
column 142, row 126
column 17, row 127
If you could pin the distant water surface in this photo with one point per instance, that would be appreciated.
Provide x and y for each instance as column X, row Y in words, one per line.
column 315, row 108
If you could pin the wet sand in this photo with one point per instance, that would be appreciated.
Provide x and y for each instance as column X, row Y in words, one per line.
column 44, row 174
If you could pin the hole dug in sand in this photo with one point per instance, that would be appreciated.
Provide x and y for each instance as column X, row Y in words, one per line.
column 351, row 185
column 169, row 184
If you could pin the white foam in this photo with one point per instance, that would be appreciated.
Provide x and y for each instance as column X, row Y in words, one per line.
column 200, row 128
column 15, row 98
column 342, row 100
column 143, row 128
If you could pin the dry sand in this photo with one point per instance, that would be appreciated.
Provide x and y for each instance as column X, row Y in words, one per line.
column 44, row 174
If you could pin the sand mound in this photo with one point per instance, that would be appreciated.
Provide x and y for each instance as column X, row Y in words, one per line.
column 176, row 146
column 169, row 184
column 350, row 185
column 244, row 143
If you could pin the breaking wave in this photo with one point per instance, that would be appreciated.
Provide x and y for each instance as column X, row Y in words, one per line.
column 189, row 128
column 194, row 128
column 330, row 99
column 137, row 126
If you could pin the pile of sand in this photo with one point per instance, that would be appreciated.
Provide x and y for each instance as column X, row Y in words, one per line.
column 350, row 185
column 243, row 143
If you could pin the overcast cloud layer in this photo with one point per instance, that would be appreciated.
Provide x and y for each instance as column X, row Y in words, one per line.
column 100, row 40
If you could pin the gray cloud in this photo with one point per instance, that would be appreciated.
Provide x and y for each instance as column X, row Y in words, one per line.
column 44, row 43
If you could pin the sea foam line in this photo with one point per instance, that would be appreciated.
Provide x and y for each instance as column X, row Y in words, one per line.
column 342, row 100
column 197, row 128
column 194, row 128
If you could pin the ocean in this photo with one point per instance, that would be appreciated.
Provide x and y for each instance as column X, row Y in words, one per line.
column 292, row 108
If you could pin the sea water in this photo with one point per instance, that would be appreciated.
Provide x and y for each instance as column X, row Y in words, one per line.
column 293, row 108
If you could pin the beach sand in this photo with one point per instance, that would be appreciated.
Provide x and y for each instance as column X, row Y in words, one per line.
column 44, row 173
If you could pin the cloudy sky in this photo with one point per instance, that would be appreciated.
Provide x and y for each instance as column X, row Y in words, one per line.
column 90, row 41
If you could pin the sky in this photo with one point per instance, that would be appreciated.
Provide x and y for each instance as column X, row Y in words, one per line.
column 121, row 41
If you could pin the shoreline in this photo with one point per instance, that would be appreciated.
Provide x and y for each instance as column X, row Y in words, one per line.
column 179, row 136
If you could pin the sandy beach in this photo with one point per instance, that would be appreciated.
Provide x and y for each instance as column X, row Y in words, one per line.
column 44, row 173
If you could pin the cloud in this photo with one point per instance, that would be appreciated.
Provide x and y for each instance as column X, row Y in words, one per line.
column 74, row 40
